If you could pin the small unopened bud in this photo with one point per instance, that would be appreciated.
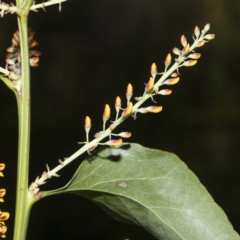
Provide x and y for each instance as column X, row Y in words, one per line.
column 125, row 134
column 201, row 43
column 138, row 98
column 174, row 74
column 106, row 113
column 114, row 143
column 150, row 84
column 129, row 92
column 165, row 92
column 168, row 60
column 186, row 49
column 172, row 81
column 98, row 134
column 153, row 70
column 154, row 109
column 118, row 103
column 189, row 63
column 2, row 166
column 197, row 31
column 183, row 41
column 209, row 36
column 194, row 55
column 2, row 194
column 34, row 61
column 10, row 61
column 87, row 126
column 176, row 51
column 87, row 122
column 128, row 109
column 207, row 27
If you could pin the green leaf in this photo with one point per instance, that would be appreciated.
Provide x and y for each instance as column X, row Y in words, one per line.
column 153, row 189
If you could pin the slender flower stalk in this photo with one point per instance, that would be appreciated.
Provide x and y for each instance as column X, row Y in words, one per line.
column 186, row 57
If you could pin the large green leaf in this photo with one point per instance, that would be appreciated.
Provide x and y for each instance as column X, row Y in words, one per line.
column 152, row 189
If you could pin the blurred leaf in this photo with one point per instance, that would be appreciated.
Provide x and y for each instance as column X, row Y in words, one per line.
column 152, row 189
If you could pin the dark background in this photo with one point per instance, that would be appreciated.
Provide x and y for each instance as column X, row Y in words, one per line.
column 90, row 52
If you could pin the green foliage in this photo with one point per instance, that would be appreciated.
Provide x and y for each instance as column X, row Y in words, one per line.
column 153, row 189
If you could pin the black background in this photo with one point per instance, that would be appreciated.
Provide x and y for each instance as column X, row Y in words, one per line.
column 90, row 52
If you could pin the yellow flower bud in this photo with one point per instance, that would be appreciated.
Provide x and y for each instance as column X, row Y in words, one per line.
column 168, row 60
column 186, row 49
column 190, row 63
column 118, row 103
column 201, row 43
column 106, row 113
column 172, row 81
column 183, row 41
column 154, row 109
column 150, row 84
column 2, row 194
column 129, row 90
column 153, row 70
column 197, row 31
column 2, row 166
column 87, row 122
column 165, row 92
column 128, row 109
column 114, row 143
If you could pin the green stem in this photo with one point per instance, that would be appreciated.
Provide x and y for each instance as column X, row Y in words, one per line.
column 24, row 199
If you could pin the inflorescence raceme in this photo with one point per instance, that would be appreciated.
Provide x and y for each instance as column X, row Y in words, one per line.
column 3, row 215
column 12, row 71
column 185, row 57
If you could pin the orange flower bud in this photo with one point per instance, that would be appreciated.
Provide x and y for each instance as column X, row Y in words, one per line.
column 114, row 143
column 118, row 103
column 207, row 27
column 165, row 92
column 176, row 51
column 125, row 134
column 128, row 109
column 195, row 55
column 106, row 113
column 197, row 31
column 2, row 194
column 186, row 49
column 153, row 69
column 150, row 84
column 154, row 109
column 189, row 63
column 3, row 230
column 183, row 41
column 129, row 90
column 201, row 43
column 172, row 81
column 174, row 74
column 87, row 122
column 4, row 216
column 2, row 166
column 209, row 36
column 168, row 60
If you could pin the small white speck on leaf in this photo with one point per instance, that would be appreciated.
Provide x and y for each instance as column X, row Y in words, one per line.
column 122, row 184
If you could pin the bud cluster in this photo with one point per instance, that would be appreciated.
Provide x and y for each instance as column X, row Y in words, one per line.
column 13, row 57
column 3, row 215
column 185, row 57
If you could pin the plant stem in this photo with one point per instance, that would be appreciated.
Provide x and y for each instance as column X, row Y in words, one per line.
column 24, row 199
